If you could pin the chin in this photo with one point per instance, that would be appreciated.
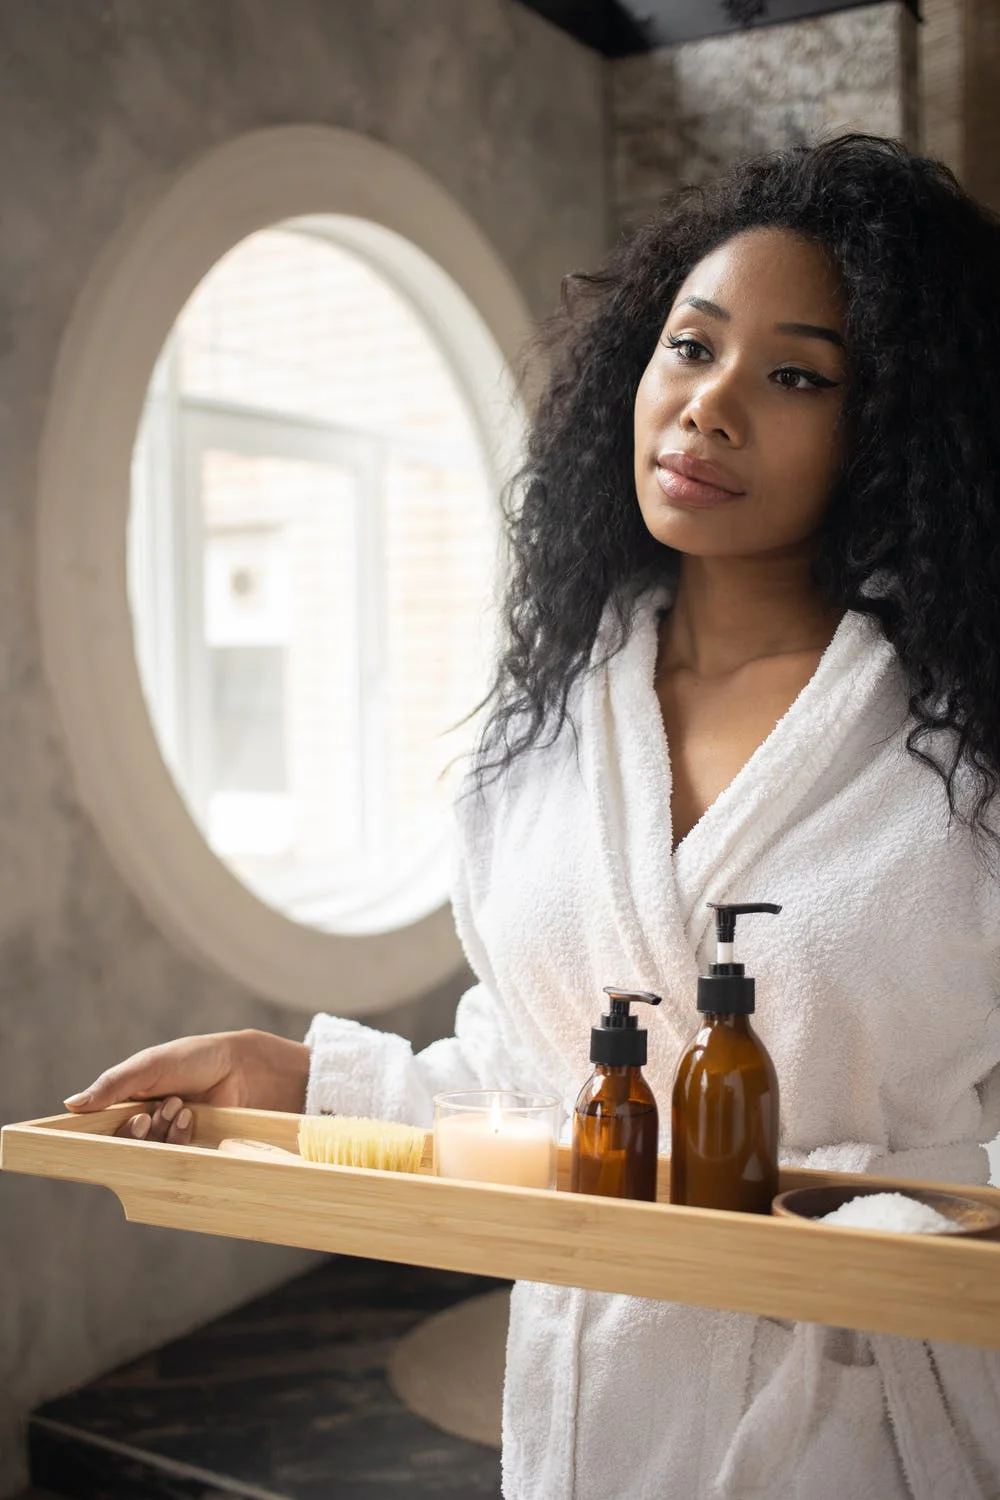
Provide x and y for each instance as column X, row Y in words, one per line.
column 697, row 532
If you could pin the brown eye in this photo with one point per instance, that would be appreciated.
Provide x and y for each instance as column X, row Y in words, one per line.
column 687, row 349
column 812, row 380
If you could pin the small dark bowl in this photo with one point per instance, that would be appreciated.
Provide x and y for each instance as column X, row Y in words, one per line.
column 972, row 1217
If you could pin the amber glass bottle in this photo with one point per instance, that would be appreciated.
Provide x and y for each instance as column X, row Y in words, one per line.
column 616, row 1122
column 616, row 1131
column 724, row 1106
column 724, row 1120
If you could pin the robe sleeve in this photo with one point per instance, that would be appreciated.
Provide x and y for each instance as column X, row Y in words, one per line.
column 989, row 1099
column 956, row 1161
column 943, row 1162
column 357, row 1070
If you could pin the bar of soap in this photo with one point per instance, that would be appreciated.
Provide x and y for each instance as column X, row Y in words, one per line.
column 891, row 1211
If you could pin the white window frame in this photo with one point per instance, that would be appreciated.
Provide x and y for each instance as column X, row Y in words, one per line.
column 166, row 568
column 406, row 221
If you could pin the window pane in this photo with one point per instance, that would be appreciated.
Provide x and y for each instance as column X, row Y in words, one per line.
column 248, row 718
column 280, row 544
column 288, row 322
column 317, row 627
column 439, row 556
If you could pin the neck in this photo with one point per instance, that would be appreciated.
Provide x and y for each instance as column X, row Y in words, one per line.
column 729, row 611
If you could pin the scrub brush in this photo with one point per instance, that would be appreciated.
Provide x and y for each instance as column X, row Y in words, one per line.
column 343, row 1141
column 346, row 1141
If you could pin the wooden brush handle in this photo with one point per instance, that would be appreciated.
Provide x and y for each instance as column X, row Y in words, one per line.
column 256, row 1150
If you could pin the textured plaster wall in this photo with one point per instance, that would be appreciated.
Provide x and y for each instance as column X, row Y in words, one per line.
column 960, row 59
column 100, row 102
column 982, row 107
column 681, row 114
column 942, row 82
column 959, row 98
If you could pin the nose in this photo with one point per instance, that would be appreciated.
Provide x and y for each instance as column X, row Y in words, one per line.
column 714, row 409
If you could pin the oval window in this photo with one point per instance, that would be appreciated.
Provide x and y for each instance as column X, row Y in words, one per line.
column 312, row 541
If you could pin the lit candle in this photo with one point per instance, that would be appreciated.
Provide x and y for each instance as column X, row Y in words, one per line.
column 477, row 1138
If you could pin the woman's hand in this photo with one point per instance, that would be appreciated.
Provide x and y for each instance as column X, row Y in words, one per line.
column 244, row 1069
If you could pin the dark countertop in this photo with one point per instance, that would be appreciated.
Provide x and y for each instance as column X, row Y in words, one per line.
column 285, row 1398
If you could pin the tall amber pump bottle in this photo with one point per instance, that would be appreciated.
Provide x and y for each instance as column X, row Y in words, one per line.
column 724, row 1109
column 616, row 1125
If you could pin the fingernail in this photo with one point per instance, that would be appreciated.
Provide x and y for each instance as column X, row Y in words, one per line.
column 140, row 1127
column 184, row 1119
column 170, row 1109
column 83, row 1098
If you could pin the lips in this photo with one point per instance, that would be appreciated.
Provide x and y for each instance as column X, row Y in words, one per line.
column 700, row 471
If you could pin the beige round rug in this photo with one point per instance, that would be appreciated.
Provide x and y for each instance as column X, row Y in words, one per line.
column 449, row 1369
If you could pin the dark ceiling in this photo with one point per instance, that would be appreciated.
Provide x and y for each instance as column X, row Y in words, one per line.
column 617, row 28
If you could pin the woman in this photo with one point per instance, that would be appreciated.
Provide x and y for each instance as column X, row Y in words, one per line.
column 775, row 677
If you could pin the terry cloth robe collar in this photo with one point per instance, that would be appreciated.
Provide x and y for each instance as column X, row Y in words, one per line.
column 659, row 897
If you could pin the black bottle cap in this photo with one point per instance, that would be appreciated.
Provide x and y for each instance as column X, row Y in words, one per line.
column 727, row 990
column 618, row 1042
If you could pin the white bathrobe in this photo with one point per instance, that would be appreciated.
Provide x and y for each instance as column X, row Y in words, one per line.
column 877, row 997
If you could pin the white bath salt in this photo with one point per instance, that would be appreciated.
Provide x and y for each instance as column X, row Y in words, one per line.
column 891, row 1211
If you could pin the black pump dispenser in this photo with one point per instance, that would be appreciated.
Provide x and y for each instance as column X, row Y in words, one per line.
column 618, row 1042
column 616, row 1125
column 727, row 990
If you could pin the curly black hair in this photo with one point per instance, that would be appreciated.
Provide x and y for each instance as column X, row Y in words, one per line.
column 915, row 505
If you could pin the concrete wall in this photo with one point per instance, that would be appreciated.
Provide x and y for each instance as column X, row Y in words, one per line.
column 942, row 82
column 960, row 103
column 982, row 110
column 101, row 101
column 683, row 113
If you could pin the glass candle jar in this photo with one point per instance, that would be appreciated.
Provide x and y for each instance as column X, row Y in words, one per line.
column 490, row 1135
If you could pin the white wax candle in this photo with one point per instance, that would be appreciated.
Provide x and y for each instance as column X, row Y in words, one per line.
column 507, row 1149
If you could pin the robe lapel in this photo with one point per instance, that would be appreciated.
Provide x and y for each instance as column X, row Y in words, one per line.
column 626, row 767
column 764, row 796
column 657, row 900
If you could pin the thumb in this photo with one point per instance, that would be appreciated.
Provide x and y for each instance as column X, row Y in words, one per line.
column 138, row 1077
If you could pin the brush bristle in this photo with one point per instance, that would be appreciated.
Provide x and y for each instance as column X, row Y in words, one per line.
column 345, row 1141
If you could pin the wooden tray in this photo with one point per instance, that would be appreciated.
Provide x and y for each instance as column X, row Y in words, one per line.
column 924, row 1286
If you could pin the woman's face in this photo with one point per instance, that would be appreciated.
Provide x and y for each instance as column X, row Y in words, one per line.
column 747, row 378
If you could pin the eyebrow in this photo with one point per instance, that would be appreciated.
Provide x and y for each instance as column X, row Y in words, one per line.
column 802, row 330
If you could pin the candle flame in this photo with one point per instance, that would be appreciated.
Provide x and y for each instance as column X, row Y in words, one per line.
column 496, row 1118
